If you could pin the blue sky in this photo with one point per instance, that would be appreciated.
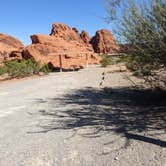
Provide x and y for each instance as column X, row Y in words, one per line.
column 21, row 18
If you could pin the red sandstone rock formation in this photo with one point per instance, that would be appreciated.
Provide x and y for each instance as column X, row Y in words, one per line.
column 75, row 30
column 51, row 54
column 63, row 48
column 63, row 31
column 85, row 37
column 10, row 48
column 104, row 42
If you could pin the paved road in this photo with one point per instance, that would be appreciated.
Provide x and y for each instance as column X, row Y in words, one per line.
column 20, row 103
column 45, row 122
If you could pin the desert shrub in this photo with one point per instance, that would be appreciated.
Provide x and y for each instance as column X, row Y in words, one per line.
column 19, row 69
column 45, row 69
column 140, row 65
column 3, row 70
column 105, row 62
column 23, row 68
column 142, row 27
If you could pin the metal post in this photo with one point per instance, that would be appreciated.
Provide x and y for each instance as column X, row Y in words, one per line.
column 86, row 60
column 60, row 62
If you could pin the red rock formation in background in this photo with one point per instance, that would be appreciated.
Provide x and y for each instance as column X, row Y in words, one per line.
column 104, row 42
column 10, row 48
column 75, row 29
column 63, row 31
column 85, row 37
column 62, row 48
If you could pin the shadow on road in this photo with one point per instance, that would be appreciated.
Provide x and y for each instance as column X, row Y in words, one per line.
column 124, row 111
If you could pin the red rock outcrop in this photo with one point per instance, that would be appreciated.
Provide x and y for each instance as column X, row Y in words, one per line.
column 62, row 48
column 40, row 53
column 85, row 37
column 63, row 31
column 75, row 29
column 53, row 54
column 10, row 48
column 104, row 42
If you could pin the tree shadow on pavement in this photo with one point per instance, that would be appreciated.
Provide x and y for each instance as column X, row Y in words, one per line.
column 127, row 112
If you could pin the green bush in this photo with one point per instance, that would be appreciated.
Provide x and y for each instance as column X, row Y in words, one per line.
column 139, row 65
column 3, row 70
column 105, row 62
column 23, row 68
column 142, row 32
column 45, row 69
column 19, row 69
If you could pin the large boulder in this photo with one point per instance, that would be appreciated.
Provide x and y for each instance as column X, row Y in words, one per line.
column 40, row 53
column 104, row 42
column 10, row 48
column 56, row 57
